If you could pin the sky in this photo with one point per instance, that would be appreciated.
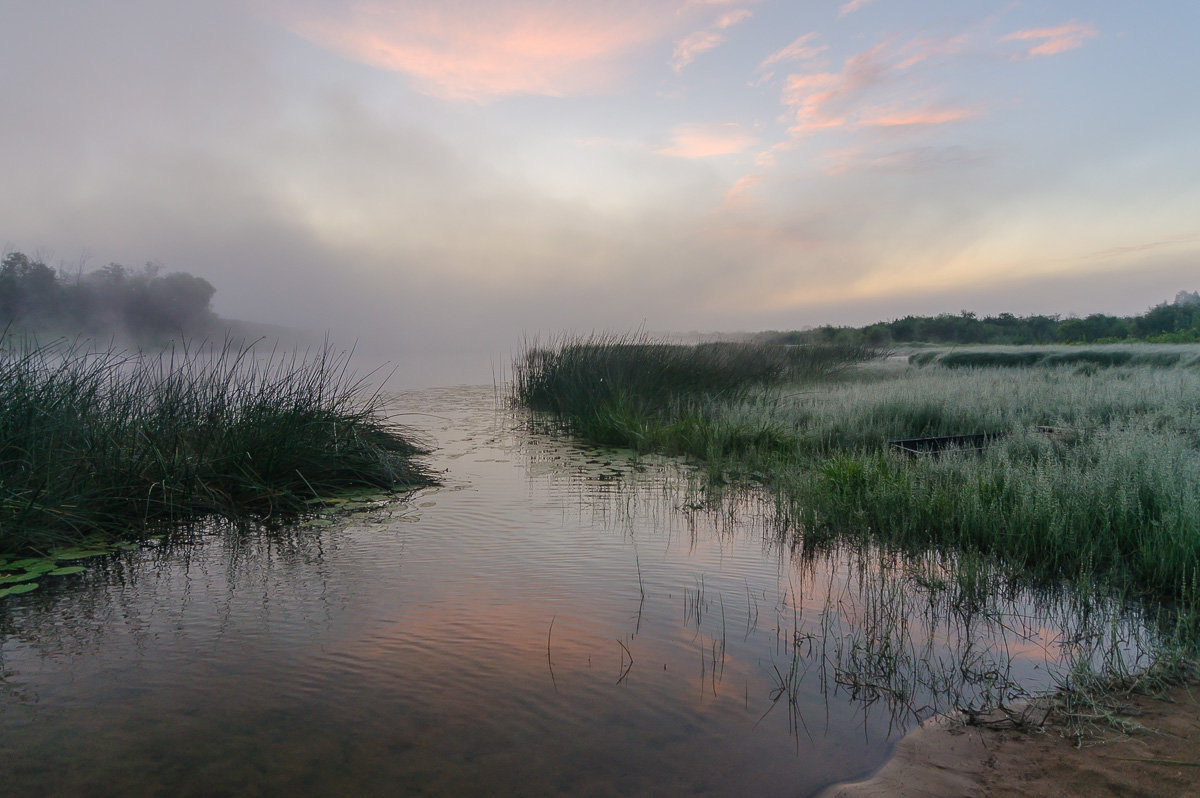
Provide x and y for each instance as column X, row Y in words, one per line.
column 425, row 174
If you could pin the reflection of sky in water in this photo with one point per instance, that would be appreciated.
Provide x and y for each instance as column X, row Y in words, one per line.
column 554, row 619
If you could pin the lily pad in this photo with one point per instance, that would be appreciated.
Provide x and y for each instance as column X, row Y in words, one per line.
column 78, row 554
column 40, row 567
column 68, row 569
column 23, row 564
column 18, row 589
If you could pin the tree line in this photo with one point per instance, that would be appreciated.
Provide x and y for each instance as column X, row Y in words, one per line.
column 109, row 300
column 1173, row 322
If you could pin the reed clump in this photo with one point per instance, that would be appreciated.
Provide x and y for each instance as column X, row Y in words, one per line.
column 636, row 391
column 113, row 443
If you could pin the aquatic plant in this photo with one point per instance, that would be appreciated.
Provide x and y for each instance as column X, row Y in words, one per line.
column 113, row 442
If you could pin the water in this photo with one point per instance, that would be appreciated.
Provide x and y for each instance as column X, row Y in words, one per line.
column 553, row 620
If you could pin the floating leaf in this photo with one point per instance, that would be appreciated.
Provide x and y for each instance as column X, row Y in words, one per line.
column 26, row 563
column 10, row 579
column 78, row 554
column 40, row 567
column 18, row 589
column 68, row 569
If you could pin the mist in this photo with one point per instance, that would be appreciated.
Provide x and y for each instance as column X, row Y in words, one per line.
column 319, row 186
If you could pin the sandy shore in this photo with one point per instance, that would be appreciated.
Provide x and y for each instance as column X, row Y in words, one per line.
column 945, row 757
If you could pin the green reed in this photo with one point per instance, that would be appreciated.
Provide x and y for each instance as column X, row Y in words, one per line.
column 1094, row 473
column 111, row 443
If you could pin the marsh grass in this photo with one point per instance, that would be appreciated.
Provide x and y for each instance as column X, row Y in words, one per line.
column 635, row 391
column 1112, row 496
column 1111, row 356
column 113, row 443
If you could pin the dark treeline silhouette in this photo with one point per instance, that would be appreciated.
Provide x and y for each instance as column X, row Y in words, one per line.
column 107, row 301
column 1174, row 322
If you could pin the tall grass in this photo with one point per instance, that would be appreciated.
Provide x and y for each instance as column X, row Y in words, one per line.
column 1091, row 356
column 112, row 442
column 1112, row 495
column 632, row 390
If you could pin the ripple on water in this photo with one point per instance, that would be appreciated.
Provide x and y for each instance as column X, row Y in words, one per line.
column 554, row 619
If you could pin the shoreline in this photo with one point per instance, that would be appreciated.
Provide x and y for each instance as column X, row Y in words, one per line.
column 1159, row 755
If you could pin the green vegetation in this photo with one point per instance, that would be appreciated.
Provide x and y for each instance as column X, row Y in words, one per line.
column 113, row 444
column 1106, row 494
column 631, row 391
column 1090, row 357
column 1177, row 322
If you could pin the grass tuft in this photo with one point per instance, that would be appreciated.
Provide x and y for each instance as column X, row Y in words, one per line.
column 112, row 443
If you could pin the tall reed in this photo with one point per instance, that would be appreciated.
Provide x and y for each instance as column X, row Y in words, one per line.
column 624, row 389
column 114, row 442
column 1108, row 491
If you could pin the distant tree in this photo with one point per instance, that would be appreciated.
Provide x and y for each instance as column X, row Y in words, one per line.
column 108, row 300
column 29, row 290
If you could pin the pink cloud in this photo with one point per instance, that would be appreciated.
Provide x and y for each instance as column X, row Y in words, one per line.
column 873, row 89
column 1058, row 39
column 823, row 100
column 706, row 141
column 739, row 196
column 701, row 41
column 733, row 18
column 692, row 45
column 851, row 7
column 802, row 49
column 910, row 117
column 484, row 51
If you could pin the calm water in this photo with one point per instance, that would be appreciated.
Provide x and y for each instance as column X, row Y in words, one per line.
column 553, row 620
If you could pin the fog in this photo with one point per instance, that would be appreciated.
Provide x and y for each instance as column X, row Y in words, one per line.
column 441, row 209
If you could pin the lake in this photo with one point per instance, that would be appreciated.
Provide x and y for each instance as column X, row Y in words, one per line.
column 554, row 619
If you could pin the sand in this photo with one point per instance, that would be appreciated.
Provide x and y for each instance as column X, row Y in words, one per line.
column 946, row 757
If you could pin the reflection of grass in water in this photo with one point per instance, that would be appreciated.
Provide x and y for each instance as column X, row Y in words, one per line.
column 911, row 633
column 902, row 637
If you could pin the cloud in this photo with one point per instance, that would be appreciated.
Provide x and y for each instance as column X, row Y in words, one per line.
column 486, row 51
column 1055, row 40
column 851, row 6
column 701, row 41
column 915, row 160
column 873, row 89
column 802, row 49
column 733, row 18
column 692, row 45
column 823, row 100
column 706, row 141
column 739, row 193
column 916, row 117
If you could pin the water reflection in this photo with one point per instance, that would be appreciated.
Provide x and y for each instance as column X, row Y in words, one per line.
column 556, row 619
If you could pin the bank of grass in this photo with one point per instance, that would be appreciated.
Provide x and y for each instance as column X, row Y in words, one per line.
column 1110, row 495
column 110, row 444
